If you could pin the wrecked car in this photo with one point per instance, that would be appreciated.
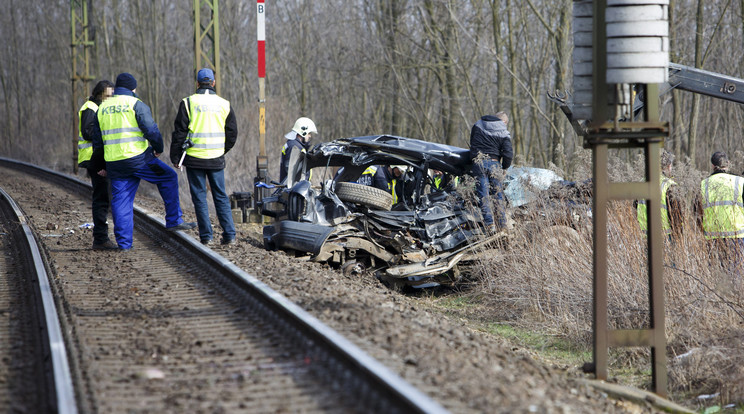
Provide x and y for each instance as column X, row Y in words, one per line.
column 419, row 241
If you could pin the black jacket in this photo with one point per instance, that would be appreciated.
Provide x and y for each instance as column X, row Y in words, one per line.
column 489, row 136
column 181, row 132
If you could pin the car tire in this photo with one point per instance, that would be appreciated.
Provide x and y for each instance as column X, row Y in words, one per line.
column 371, row 197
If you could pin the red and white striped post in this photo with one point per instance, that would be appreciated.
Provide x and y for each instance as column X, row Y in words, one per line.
column 262, row 162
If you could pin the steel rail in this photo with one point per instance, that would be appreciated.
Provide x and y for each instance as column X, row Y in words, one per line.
column 377, row 388
column 62, row 378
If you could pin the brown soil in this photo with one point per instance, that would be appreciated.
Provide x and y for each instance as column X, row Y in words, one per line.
column 462, row 368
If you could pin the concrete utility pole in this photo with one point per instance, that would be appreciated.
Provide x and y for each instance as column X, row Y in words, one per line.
column 207, row 38
column 80, row 43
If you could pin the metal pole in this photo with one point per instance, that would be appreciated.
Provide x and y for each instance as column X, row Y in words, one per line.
column 599, row 59
column 656, row 252
column 207, row 39
column 601, row 195
column 599, row 211
column 197, row 35
column 261, row 37
column 262, row 161
column 80, row 44
column 216, row 39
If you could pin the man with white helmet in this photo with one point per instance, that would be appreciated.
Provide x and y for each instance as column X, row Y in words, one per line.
column 298, row 139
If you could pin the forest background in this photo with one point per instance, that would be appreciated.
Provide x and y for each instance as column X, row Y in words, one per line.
column 424, row 69
column 418, row 68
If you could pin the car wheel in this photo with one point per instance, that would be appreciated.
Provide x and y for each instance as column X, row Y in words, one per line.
column 353, row 268
column 295, row 207
column 365, row 195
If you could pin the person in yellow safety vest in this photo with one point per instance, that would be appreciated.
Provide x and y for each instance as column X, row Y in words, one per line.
column 94, row 163
column 722, row 203
column 131, row 144
column 670, row 209
column 208, row 122
column 386, row 178
column 722, row 208
column 298, row 139
column 368, row 176
column 443, row 181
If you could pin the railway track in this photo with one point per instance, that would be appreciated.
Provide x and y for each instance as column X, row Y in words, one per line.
column 34, row 373
column 172, row 327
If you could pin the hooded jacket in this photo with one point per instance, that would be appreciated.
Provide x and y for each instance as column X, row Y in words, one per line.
column 489, row 136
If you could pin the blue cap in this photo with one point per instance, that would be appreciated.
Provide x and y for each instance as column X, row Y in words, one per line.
column 205, row 75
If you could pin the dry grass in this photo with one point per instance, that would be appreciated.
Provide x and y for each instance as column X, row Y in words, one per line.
column 543, row 281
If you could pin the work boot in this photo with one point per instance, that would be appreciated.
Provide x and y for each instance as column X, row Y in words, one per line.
column 207, row 242
column 107, row 245
column 183, row 226
column 229, row 241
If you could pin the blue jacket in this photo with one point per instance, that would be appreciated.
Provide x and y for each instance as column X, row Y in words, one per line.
column 127, row 167
column 489, row 136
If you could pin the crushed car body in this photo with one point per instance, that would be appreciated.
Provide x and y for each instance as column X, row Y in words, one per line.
column 419, row 241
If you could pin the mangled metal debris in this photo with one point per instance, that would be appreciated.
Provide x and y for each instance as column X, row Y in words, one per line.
column 419, row 241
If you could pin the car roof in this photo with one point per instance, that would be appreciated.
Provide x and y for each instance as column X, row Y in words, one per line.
column 389, row 150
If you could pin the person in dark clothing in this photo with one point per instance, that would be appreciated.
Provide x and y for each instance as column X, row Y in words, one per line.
column 298, row 139
column 131, row 144
column 491, row 150
column 208, row 122
column 93, row 162
column 387, row 178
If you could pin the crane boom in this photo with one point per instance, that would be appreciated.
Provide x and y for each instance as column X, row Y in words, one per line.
column 704, row 82
column 681, row 77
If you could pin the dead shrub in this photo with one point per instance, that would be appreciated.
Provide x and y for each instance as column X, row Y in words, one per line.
column 544, row 281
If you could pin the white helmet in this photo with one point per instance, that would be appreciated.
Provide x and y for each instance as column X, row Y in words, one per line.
column 304, row 127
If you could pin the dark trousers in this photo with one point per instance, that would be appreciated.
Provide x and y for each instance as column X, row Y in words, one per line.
column 198, row 179
column 488, row 187
column 100, row 206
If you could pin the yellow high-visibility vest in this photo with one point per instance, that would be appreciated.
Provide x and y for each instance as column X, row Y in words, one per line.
column 85, row 148
column 207, row 115
column 370, row 171
column 723, row 210
column 122, row 137
column 666, row 225
column 391, row 188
